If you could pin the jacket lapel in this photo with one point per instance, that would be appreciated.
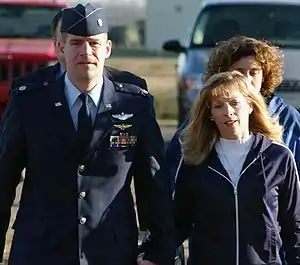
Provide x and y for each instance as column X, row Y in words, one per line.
column 215, row 164
column 50, row 73
column 61, row 113
column 103, row 122
column 55, row 69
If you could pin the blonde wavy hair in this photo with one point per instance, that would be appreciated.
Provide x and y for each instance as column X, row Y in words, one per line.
column 201, row 134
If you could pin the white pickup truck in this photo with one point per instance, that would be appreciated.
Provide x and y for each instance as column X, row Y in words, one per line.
column 275, row 20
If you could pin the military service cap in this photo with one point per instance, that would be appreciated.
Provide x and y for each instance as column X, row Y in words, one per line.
column 84, row 20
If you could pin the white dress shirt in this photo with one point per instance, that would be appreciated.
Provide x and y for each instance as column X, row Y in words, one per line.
column 74, row 103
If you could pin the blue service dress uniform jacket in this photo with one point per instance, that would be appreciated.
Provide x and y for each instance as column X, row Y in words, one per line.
column 50, row 74
column 81, row 211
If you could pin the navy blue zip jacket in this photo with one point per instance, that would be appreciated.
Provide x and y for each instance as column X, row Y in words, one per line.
column 288, row 116
column 244, row 224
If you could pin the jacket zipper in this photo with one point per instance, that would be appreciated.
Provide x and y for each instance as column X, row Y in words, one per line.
column 176, row 174
column 236, row 201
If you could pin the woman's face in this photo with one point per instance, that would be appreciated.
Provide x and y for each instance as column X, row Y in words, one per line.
column 231, row 116
column 250, row 68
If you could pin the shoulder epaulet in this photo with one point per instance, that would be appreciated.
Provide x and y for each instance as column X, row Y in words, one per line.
column 19, row 90
column 130, row 88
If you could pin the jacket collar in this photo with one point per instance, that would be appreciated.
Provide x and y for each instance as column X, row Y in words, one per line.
column 259, row 145
column 275, row 105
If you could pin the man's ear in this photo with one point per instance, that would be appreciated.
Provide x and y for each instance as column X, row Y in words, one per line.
column 54, row 41
column 60, row 46
column 108, row 48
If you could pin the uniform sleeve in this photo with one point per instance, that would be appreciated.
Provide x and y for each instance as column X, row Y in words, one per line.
column 143, row 180
column 183, row 204
column 12, row 161
column 289, row 212
column 160, row 248
column 173, row 154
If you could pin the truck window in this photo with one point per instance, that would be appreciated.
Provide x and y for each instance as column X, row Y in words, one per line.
column 26, row 21
column 277, row 23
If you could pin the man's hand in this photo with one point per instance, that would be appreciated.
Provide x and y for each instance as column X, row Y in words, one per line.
column 145, row 262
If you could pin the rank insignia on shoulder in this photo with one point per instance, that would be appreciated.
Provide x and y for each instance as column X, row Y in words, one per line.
column 122, row 126
column 144, row 92
column 22, row 88
column 122, row 116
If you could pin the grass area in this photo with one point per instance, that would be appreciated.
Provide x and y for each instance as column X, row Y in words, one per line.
column 160, row 75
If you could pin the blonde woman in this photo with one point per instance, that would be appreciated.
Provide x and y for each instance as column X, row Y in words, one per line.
column 263, row 64
column 237, row 193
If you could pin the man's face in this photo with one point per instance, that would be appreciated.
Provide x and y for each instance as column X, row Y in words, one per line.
column 85, row 56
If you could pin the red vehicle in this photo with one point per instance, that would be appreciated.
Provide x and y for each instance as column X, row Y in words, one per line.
column 25, row 39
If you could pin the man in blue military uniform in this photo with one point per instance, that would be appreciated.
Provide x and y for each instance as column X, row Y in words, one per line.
column 53, row 72
column 79, row 139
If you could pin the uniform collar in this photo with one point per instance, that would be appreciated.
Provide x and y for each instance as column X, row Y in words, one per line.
column 72, row 92
column 60, row 71
column 275, row 105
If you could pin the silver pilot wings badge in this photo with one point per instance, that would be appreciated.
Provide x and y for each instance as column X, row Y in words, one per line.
column 122, row 116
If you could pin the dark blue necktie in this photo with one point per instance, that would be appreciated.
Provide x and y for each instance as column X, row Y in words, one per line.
column 85, row 125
